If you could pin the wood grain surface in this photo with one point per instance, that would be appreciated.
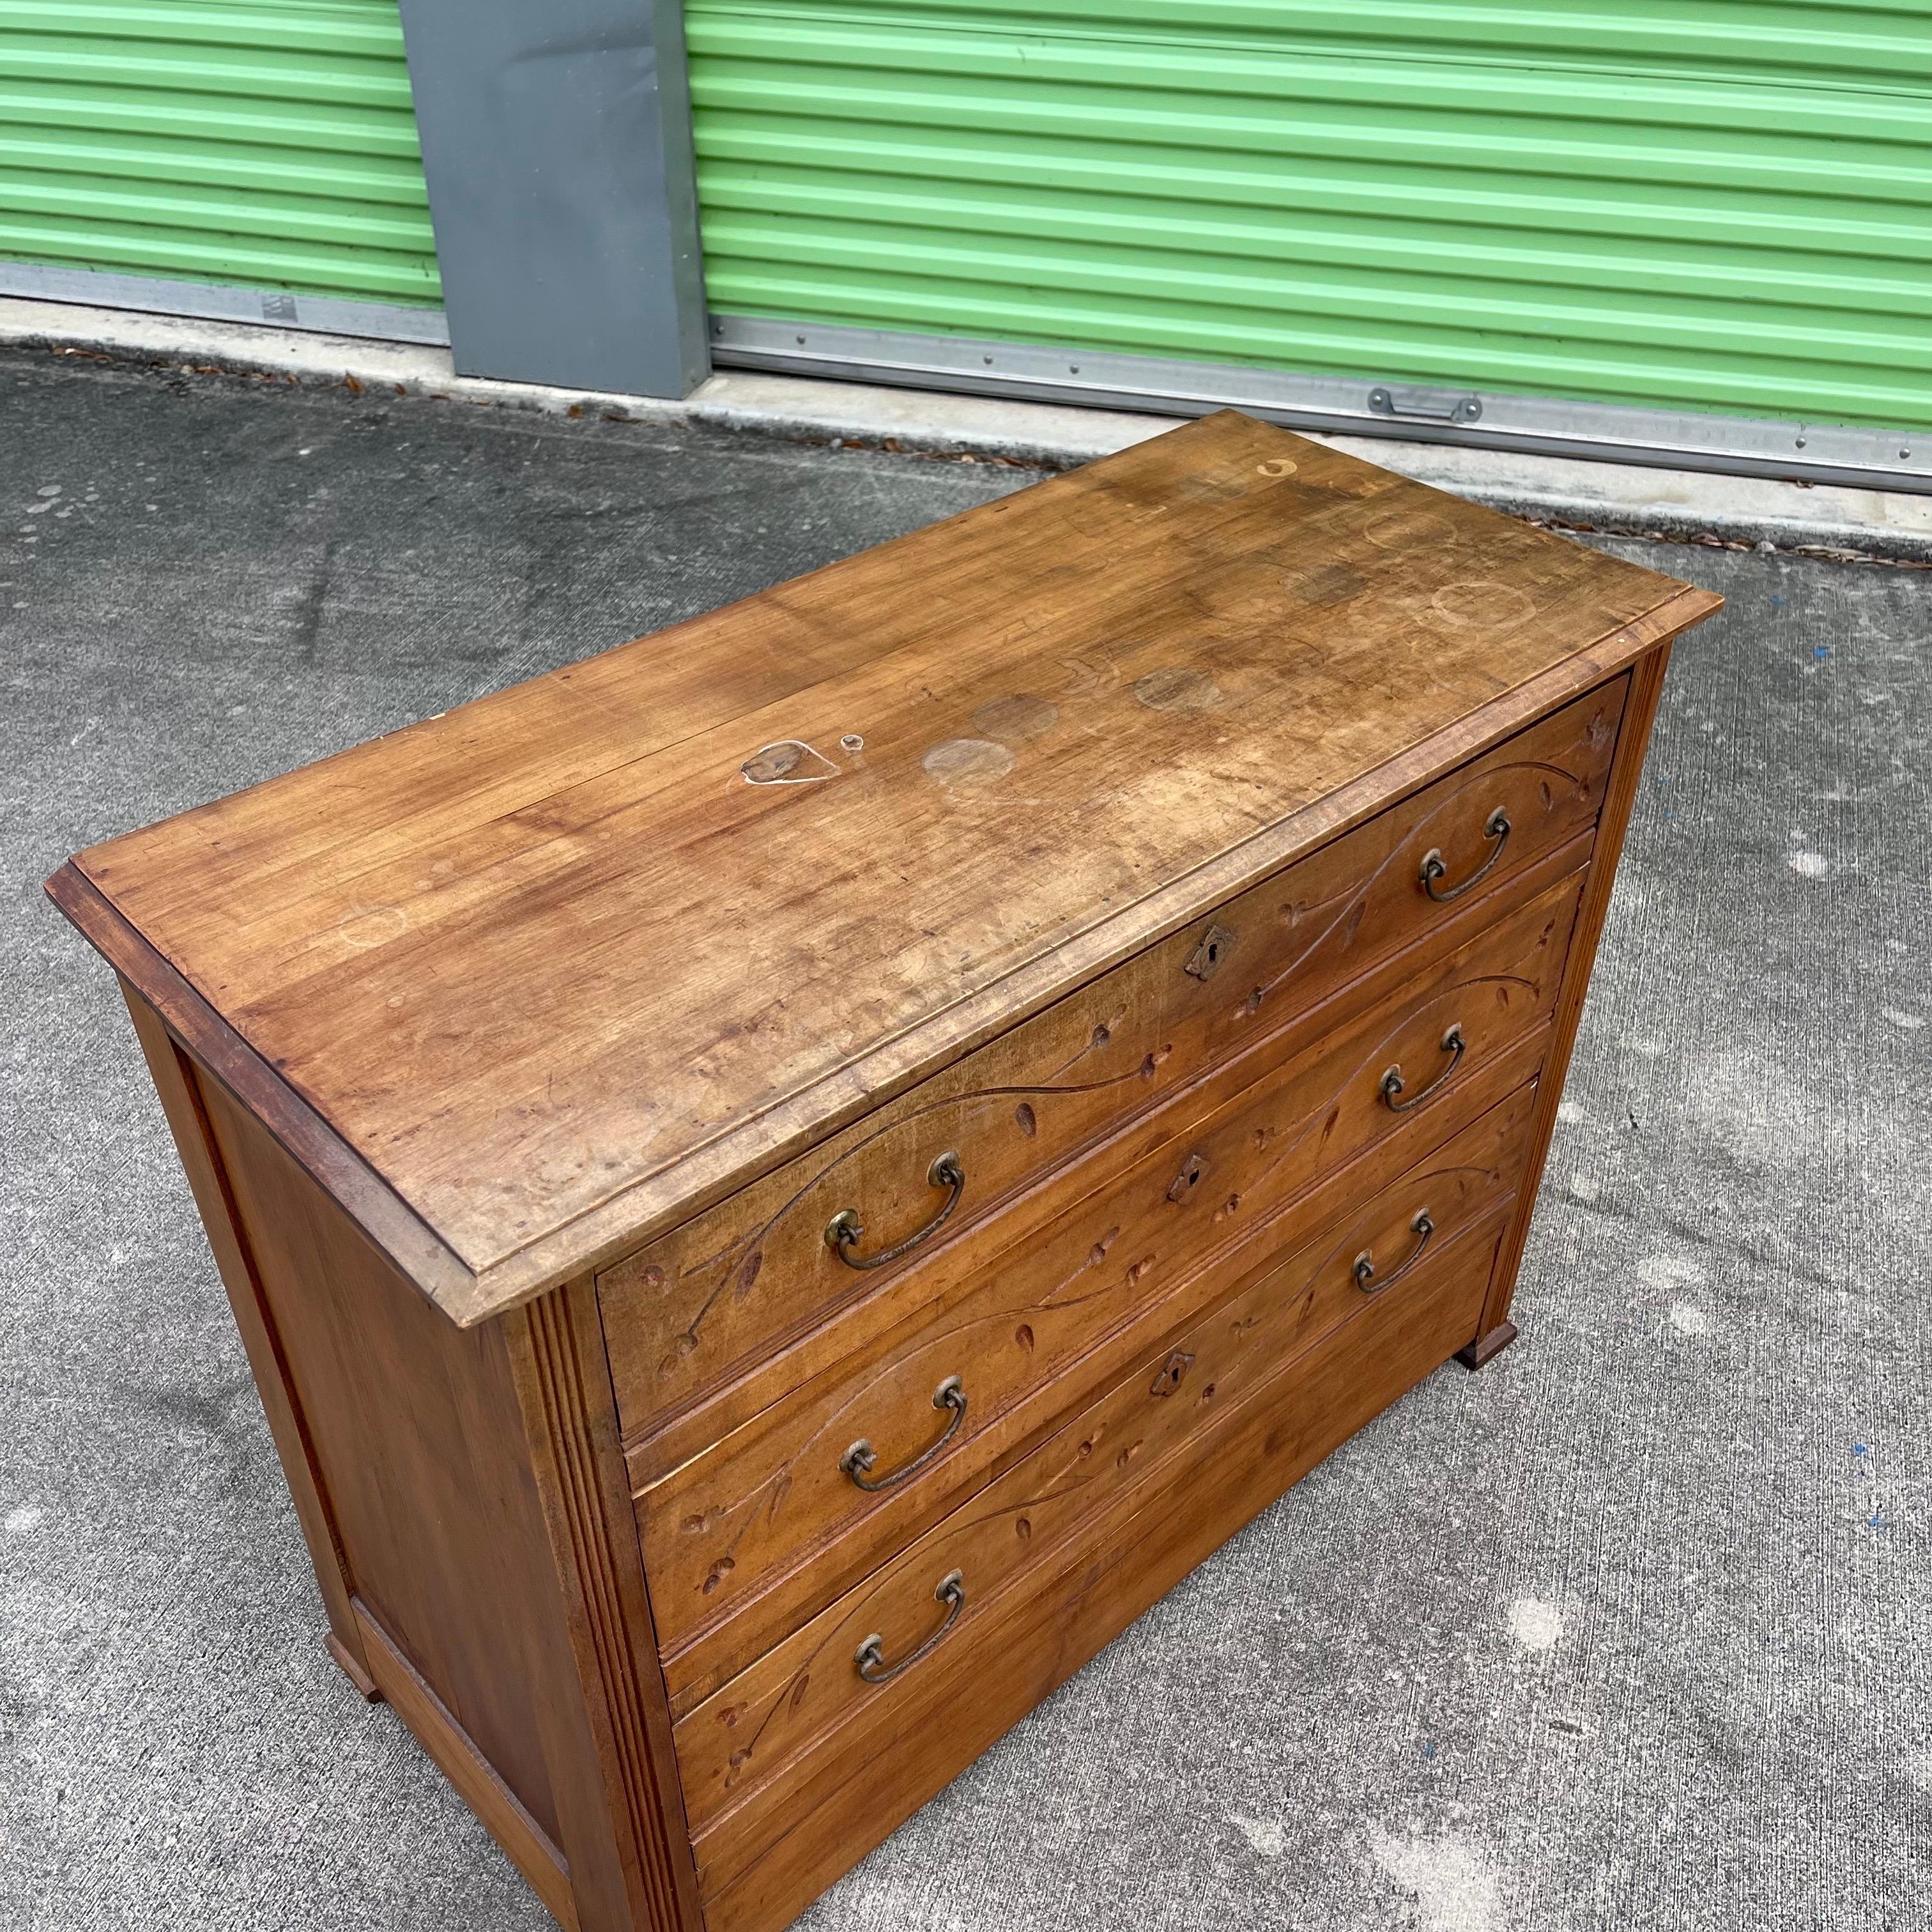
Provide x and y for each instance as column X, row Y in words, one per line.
column 685, row 1312
column 1646, row 691
column 563, row 965
column 760, row 1862
column 473, row 1483
column 828, row 1567
column 398, row 1682
column 773, row 1495
column 762, row 1719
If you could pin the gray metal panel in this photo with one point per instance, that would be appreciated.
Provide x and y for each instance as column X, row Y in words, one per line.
column 1484, row 419
column 556, row 144
column 283, row 308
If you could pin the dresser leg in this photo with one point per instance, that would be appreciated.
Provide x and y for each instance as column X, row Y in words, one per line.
column 366, row 1686
column 1485, row 1348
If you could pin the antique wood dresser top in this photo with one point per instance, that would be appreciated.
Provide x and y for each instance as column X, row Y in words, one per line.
column 528, row 982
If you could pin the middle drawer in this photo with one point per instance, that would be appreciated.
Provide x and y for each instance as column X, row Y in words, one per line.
column 745, row 1539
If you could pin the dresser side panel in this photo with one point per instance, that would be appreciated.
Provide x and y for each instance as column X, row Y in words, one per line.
column 1619, row 800
column 173, row 1074
column 418, row 1440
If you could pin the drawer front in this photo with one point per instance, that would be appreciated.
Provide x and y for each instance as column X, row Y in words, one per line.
column 1146, row 1482
column 771, row 1520
column 686, row 1312
column 1007, row 1346
column 744, row 1734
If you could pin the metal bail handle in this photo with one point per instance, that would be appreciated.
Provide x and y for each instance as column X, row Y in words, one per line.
column 1496, row 826
column 845, row 1231
column 858, row 1460
column 1365, row 1261
column 1392, row 1083
column 870, row 1657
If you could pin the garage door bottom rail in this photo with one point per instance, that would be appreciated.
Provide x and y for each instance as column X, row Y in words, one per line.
column 1367, row 405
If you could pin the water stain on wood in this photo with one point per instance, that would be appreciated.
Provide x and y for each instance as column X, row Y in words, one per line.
column 1176, row 688
column 1016, row 718
column 1221, row 484
column 1409, row 530
column 1322, row 586
column 1481, row 600
column 369, row 926
column 967, row 761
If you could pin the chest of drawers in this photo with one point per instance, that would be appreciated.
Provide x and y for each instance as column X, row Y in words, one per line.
column 782, row 1183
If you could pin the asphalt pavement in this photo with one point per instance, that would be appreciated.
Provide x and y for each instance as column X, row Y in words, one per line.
column 1632, row 1629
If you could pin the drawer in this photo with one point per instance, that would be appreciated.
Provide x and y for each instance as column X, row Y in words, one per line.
column 958, row 1631
column 685, row 1313
column 766, row 1524
column 733, row 1740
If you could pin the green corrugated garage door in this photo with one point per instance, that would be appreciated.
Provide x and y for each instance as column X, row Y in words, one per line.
column 265, row 144
column 1688, row 205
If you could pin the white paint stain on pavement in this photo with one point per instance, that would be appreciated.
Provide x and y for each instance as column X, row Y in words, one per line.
column 1809, row 865
column 1454, row 1885
column 1909, row 1022
column 24, row 1520
column 1535, row 1625
column 1267, row 1836
column 1664, row 1274
column 1687, row 1319
column 1570, row 1114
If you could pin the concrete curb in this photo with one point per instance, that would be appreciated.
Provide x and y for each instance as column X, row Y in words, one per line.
column 1681, row 505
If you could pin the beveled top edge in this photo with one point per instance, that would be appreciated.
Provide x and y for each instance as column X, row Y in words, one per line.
column 390, row 1223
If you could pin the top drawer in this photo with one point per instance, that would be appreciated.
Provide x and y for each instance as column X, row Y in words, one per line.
column 683, row 1314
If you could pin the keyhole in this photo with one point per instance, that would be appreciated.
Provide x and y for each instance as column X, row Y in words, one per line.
column 1189, row 1178
column 1172, row 1371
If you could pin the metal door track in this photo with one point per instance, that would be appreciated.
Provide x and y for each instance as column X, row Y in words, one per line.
column 1542, row 426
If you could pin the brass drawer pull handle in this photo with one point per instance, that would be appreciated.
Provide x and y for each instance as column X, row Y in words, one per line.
column 1365, row 1261
column 845, row 1231
column 1452, row 1045
column 857, row 1461
column 870, row 1657
column 1497, row 826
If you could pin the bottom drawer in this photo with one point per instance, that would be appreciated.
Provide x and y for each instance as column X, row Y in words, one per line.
column 800, row 1765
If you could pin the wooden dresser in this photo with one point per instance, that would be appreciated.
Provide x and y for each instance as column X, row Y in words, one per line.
column 782, row 1183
